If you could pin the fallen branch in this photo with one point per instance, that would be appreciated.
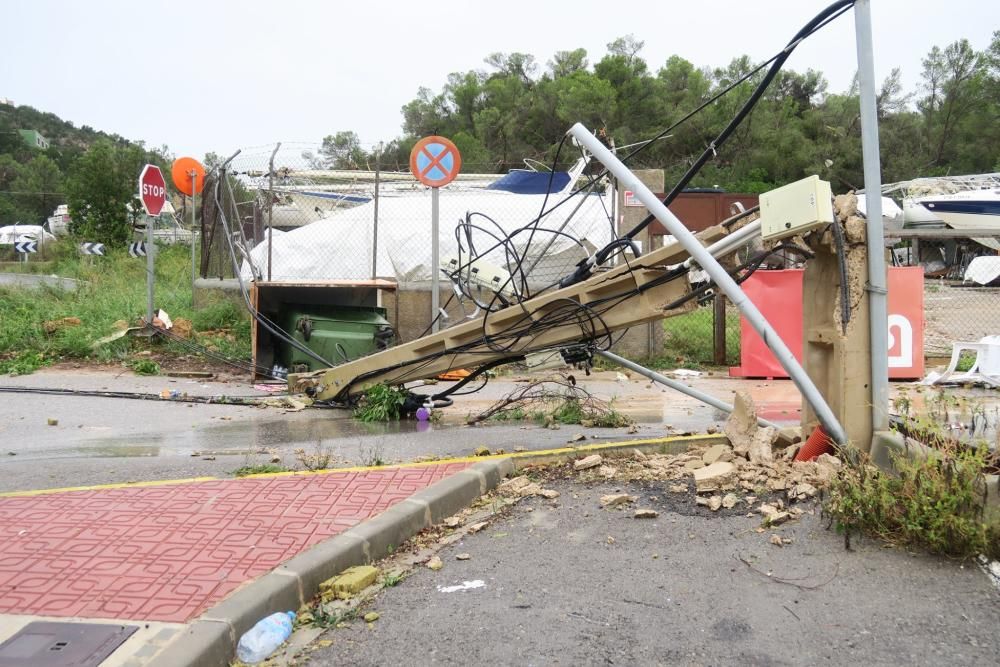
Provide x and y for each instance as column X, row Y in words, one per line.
column 785, row 581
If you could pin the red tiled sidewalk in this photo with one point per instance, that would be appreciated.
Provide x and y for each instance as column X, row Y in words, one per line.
column 167, row 553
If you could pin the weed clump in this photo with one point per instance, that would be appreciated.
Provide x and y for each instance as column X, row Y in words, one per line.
column 259, row 469
column 145, row 367
column 934, row 502
column 380, row 403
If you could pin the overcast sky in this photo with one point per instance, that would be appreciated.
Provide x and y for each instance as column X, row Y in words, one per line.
column 224, row 74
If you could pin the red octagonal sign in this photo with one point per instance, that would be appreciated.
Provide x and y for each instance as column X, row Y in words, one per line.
column 152, row 189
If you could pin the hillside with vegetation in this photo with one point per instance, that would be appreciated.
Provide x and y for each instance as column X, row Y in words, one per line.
column 92, row 171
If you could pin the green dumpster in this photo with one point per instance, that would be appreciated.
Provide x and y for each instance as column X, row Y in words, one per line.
column 337, row 334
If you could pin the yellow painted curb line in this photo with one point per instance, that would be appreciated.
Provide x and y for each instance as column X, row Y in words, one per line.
column 96, row 487
column 616, row 444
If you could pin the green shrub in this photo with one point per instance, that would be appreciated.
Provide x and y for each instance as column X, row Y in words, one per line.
column 935, row 502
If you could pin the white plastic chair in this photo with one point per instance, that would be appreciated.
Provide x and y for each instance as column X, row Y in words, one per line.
column 985, row 368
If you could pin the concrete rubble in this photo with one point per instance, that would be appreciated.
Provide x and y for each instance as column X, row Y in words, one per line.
column 613, row 500
column 591, row 461
column 758, row 464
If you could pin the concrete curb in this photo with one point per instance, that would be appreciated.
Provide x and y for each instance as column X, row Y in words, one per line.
column 210, row 641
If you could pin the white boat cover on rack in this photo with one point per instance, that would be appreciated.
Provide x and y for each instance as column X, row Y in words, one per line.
column 339, row 246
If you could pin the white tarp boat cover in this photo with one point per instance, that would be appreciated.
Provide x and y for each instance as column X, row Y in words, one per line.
column 984, row 270
column 10, row 234
column 339, row 246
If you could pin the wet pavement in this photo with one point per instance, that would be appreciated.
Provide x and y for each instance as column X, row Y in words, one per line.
column 109, row 440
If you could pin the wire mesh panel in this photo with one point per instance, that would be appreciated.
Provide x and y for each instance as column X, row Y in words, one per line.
column 961, row 285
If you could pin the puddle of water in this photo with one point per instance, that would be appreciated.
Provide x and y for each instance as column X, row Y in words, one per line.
column 969, row 414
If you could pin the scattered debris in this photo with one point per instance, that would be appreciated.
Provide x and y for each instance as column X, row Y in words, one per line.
column 183, row 327
column 729, row 500
column 53, row 422
column 716, row 453
column 464, row 586
column 776, row 540
column 613, row 500
column 715, row 503
column 55, row 326
column 677, row 488
column 462, row 556
column 518, row 487
column 435, row 563
column 551, row 494
column 371, row 617
column 718, row 476
column 476, row 527
column 760, row 445
column 742, row 423
column 645, row 514
column 591, row 461
column 578, row 437
column 481, row 451
column 453, row 522
column 348, row 583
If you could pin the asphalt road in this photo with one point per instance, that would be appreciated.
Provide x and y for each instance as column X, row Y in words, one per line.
column 567, row 583
column 109, row 440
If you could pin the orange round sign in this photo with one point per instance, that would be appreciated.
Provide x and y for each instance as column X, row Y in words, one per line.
column 435, row 161
column 181, row 171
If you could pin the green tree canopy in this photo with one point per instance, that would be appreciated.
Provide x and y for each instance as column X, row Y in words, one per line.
column 101, row 192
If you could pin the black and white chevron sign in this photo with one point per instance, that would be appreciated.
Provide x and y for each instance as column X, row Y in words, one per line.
column 24, row 247
column 137, row 249
column 92, row 248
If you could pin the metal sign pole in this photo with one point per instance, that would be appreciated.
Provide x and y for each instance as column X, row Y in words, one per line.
column 378, row 169
column 877, row 288
column 150, row 250
column 194, row 236
column 435, row 260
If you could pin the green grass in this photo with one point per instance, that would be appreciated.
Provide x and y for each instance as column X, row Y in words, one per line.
column 688, row 339
column 112, row 289
column 259, row 469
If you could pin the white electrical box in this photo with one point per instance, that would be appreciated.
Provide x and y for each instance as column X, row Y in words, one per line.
column 481, row 273
column 796, row 208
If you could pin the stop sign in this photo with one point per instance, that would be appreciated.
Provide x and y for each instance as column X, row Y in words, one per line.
column 152, row 189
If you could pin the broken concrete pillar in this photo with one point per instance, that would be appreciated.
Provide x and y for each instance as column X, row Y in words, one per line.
column 838, row 360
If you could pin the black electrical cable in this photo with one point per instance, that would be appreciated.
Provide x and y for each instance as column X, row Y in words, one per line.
column 514, row 335
column 710, row 151
column 845, row 306
column 142, row 396
column 271, row 327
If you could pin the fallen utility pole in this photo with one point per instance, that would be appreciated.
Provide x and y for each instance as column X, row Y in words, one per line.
column 643, row 297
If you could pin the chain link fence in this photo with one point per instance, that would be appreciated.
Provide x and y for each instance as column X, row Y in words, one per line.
column 961, row 285
column 961, row 300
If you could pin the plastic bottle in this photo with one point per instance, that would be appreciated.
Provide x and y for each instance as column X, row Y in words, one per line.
column 262, row 639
